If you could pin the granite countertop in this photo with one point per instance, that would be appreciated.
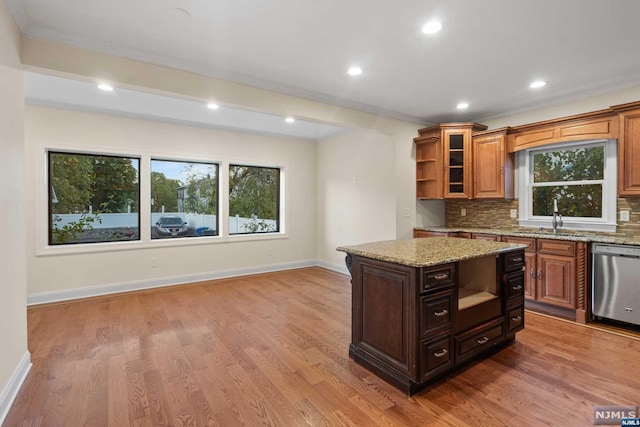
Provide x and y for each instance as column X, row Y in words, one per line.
column 574, row 236
column 429, row 252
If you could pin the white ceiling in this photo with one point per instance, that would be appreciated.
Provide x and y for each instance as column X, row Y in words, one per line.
column 486, row 54
column 60, row 92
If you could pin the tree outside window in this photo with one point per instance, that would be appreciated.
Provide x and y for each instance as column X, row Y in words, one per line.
column 572, row 176
column 93, row 198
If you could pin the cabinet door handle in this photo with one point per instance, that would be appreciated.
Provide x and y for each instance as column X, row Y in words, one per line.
column 441, row 276
column 441, row 354
column 516, row 288
column 482, row 340
column 516, row 318
column 532, row 273
column 440, row 313
column 539, row 274
column 501, row 169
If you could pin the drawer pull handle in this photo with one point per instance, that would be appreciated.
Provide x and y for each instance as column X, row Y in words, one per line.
column 482, row 340
column 518, row 259
column 516, row 288
column 442, row 353
column 441, row 276
column 516, row 318
column 441, row 313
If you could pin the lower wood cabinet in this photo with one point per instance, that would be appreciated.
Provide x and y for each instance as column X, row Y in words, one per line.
column 424, row 233
column 555, row 274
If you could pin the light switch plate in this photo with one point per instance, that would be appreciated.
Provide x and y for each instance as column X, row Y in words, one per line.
column 624, row 215
column 514, row 213
column 463, row 212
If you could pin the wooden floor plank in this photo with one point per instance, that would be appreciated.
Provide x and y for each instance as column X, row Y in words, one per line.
column 272, row 349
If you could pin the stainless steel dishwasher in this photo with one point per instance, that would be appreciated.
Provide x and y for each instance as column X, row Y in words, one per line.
column 616, row 282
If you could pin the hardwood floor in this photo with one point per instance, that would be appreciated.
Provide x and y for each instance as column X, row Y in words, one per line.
column 272, row 350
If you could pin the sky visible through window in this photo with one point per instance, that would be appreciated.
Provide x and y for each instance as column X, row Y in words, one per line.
column 175, row 169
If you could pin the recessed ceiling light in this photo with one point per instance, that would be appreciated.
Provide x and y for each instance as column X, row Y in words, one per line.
column 354, row 71
column 537, row 84
column 289, row 120
column 213, row 106
column 105, row 87
column 462, row 105
column 432, row 27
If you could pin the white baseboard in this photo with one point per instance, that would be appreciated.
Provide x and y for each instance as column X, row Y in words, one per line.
column 71, row 294
column 338, row 268
column 13, row 386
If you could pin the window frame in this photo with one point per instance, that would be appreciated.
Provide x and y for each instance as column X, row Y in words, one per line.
column 606, row 223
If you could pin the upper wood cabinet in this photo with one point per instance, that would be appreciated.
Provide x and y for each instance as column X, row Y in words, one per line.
column 629, row 154
column 429, row 175
column 492, row 165
column 597, row 125
column 444, row 161
column 458, row 160
column 461, row 161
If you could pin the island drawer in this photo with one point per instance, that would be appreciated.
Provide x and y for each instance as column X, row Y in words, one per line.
column 515, row 319
column 514, row 261
column 443, row 275
column 435, row 312
column 479, row 339
column 515, row 285
column 436, row 356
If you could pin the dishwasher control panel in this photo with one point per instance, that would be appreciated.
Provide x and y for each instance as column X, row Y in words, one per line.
column 616, row 250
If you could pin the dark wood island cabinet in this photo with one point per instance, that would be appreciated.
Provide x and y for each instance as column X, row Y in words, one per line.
column 422, row 307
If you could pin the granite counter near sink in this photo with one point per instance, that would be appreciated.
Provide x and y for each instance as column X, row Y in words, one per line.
column 575, row 236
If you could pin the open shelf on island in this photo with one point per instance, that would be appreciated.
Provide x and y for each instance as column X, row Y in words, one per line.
column 471, row 297
column 478, row 292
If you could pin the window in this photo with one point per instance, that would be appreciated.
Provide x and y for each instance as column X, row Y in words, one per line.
column 93, row 198
column 184, row 199
column 581, row 177
column 254, row 199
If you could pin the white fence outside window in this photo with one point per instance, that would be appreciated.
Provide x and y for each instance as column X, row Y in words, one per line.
column 130, row 220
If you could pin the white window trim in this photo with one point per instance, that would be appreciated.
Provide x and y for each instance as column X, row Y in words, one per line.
column 609, row 191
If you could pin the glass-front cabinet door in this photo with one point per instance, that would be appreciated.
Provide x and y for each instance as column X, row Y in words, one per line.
column 457, row 157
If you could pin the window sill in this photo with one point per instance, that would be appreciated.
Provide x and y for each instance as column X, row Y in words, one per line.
column 88, row 248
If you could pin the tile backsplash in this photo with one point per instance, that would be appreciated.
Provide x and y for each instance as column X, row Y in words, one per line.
column 497, row 214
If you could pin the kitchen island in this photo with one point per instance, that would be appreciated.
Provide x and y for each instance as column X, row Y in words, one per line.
column 423, row 307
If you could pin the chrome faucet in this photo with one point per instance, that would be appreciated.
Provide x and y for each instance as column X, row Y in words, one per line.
column 556, row 222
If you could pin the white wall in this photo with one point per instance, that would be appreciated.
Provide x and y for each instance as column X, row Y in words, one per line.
column 13, row 318
column 356, row 195
column 51, row 270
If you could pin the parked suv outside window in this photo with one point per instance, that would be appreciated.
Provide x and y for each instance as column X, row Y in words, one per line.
column 171, row 226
